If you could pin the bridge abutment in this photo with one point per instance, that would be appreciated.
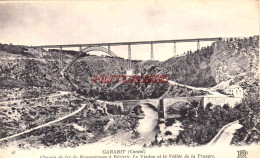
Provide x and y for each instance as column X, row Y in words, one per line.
column 161, row 109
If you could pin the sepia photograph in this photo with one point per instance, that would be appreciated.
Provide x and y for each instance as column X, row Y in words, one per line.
column 129, row 79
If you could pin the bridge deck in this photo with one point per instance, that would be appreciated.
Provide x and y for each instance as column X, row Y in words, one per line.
column 131, row 43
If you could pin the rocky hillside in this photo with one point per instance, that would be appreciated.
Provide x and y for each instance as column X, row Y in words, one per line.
column 83, row 71
column 192, row 69
column 233, row 59
column 237, row 60
column 228, row 59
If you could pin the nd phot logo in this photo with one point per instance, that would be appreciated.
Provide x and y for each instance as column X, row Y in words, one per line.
column 242, row 154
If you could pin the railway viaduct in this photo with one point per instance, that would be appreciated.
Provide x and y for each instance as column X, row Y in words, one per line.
column 106, row 48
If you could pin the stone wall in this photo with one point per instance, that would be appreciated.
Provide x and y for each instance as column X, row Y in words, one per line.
column 170, row 101
column 232, row 101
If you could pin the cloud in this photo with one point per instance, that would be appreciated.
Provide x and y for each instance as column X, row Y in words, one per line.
column 40, row 23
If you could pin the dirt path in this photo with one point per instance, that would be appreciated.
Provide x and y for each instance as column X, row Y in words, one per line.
column 211, row 93
column 226, row 134
column 46, row 124
column 61, row 93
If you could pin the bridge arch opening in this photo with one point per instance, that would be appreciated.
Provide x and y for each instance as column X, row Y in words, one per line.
column 83, row 53
column 101, row 49
column 139, row 108
column 151, row 106
column 177, row 109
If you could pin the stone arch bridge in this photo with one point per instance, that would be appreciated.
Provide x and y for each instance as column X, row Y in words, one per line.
column 159, row 105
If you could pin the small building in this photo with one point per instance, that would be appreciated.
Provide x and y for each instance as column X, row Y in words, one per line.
column 235, row 90
column 129, row 72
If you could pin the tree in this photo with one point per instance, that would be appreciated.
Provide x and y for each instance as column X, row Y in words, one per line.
column 226, row 106
column 194, row 104
column 184, row 111
column 209, row 106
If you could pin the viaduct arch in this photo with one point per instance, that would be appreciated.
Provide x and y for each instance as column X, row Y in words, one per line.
column 84, row 51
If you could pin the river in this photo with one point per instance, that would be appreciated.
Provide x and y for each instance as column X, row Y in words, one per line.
column 146, row 129
column 147, row 125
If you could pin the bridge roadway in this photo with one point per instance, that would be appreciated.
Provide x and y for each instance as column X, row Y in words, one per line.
column 130, row 43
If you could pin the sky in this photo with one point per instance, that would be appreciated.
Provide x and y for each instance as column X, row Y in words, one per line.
column 47, row 23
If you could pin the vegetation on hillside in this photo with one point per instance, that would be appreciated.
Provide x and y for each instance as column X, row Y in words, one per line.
column 192, row 69
column 234, row 59
column 200, row 129
column 13, row 49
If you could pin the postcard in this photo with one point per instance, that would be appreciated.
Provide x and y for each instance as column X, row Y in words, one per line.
column 129, row 79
